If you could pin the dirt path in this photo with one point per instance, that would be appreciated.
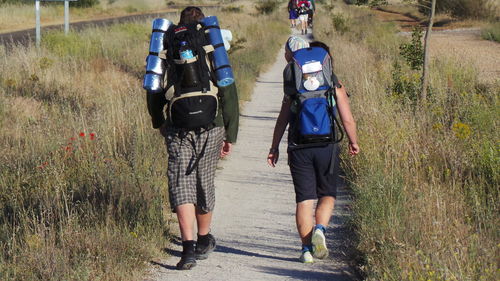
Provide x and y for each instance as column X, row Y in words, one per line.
column 254, row 220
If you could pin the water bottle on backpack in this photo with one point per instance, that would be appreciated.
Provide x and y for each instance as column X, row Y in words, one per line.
column 190, row 77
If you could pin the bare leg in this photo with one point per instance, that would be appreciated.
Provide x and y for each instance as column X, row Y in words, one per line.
column 203, row 221
column 324, row 210
column 186, row 217
column 305, row 220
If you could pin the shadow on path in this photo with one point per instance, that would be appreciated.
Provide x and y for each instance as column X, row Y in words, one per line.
column 298, row 274
column 169, row 267
column 229, row 250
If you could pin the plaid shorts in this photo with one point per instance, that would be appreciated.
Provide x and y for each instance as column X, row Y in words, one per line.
column 198, row 187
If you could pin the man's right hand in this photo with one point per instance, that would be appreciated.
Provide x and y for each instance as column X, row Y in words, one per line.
column 353, row 149
column 272, row 158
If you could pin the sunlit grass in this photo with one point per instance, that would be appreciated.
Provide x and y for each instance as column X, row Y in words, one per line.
column 426, row 182
column 83, row 188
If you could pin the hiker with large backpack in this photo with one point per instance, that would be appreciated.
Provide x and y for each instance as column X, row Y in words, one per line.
column 292, row 12
column 312, row 99
column 303, row 7
column 198, row 114
column 310, row 13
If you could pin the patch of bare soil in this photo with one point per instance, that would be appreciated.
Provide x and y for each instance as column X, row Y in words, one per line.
column 404, row 22
column 467, row 46
column 447, row 40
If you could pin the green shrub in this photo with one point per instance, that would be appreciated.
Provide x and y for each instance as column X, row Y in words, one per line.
column 413, row 52
column 267, row 6
column 405, row 85
column 340, row 23
column 492, row 32
column 72, row 44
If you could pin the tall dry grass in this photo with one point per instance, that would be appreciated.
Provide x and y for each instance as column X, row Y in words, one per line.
column 426, row 183
column 82, row 180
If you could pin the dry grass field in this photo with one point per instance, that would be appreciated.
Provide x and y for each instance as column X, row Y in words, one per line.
column 82, row 181
column 426, row 183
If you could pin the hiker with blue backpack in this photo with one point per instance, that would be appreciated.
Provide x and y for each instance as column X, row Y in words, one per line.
column 197, row 112
column 312, row 99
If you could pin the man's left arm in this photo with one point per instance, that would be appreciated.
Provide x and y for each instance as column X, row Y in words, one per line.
column 230, row 111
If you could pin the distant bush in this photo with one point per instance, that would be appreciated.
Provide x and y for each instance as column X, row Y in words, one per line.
column 371, row 3
column 85, row 3
column 15, row 2
column 79, row 3
column 232, row 9
column 267, row 7
column 492, row 32
column 340, row 23
column 475, row 9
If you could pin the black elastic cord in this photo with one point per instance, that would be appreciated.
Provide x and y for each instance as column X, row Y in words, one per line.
column 223, row 66
column 218, row 45
column 212, row 26
column 336, row 121
column 199, row 156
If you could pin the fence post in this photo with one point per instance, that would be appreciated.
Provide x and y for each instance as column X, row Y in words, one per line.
column 37, row 15
column 66, row 17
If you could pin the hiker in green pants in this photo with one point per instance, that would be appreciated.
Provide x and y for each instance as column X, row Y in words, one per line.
column 315, row 168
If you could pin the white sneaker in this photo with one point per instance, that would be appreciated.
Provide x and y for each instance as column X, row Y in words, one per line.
column 306, row 257
column 320, row 250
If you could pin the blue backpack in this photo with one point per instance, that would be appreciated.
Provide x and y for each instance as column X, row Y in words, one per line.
column 314, row 81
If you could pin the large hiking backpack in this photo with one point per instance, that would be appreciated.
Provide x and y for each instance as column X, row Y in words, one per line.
column 195, row 102
column 303, row 7
column 314, row 81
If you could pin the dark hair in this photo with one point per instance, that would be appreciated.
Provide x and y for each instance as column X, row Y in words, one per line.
column 191, row 14
column 321, row 45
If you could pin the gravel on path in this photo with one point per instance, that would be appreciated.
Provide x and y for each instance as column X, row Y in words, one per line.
column 254, row 219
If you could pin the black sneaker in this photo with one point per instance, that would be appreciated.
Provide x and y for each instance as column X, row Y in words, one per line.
column 188, row 259
column 187, row 262
column 204, row 246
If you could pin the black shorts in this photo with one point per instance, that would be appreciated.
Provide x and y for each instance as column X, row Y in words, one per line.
column 310, row 172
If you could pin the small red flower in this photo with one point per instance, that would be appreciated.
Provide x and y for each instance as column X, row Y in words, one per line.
column 92, row 136
column 82, row 134
column 68, row 148
column 72, row 139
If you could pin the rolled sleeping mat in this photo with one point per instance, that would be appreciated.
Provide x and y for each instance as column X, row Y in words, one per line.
column 160, row 26
column 223, row 71
column 155, row 66
column 155, row 71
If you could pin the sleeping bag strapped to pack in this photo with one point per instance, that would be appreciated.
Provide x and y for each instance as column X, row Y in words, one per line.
column 195, row 101
column 312, row 68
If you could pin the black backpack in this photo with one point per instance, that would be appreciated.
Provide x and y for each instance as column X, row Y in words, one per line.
column 194, row 103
